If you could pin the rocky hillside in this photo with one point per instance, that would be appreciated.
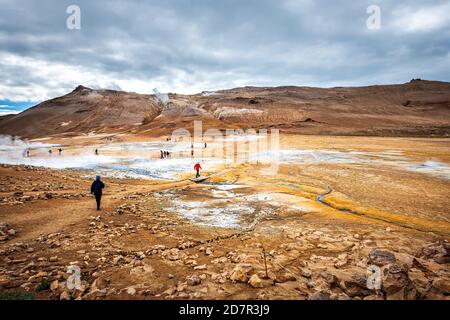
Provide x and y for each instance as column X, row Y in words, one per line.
column 82, row 111
column 417, row 108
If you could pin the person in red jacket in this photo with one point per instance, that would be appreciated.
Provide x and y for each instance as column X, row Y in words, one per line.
column 197, row 168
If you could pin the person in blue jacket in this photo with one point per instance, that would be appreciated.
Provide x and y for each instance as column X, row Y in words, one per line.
column 97, row 190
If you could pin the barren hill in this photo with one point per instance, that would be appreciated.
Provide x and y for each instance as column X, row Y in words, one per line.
column 81, row 111
column 419, row 108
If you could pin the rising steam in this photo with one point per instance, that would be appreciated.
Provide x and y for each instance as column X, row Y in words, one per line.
column 162, row 97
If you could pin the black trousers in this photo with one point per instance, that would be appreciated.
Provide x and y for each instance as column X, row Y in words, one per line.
column 98, row 199
column 198, row 174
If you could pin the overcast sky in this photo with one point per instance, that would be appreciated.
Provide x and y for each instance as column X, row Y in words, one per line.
column 190, row 46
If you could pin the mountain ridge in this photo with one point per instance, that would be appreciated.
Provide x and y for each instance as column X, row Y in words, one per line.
column 416, row 108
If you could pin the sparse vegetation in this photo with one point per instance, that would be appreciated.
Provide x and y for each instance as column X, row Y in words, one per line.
column 43, row 285
column 16, row 295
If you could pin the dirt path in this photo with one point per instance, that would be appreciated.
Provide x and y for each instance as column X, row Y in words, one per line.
column 58, row 215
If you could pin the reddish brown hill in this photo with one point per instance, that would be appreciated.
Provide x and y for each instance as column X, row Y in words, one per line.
column 415, row 108
column 81, row 111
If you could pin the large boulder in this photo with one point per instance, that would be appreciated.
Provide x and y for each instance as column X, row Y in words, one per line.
column 438, row 251
column 396, row 284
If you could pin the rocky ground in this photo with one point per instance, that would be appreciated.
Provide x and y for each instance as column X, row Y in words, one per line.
column 312, row 231
column 138, row 248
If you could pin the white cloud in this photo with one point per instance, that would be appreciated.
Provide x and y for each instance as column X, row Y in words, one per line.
column 5, row 112
column 424, row 19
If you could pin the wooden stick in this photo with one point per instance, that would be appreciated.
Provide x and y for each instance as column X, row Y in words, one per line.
column 265, row 263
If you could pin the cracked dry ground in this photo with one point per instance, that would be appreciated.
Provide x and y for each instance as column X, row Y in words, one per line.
column 135, row 248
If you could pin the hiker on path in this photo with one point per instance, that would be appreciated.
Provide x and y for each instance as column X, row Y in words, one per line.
column 97, row 190
column 96, row 152
column 197, row 168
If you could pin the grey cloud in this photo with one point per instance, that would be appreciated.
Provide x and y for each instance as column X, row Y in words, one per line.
column 196, row 45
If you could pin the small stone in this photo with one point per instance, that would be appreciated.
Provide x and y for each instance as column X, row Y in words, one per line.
column 53, row 259
column 54, row 285
column 117, row 260
column 239, row 274
column 442, row 286
column 99, row 284
column 322, row 295
column 306, row 273
column 64, row 296
column 255, row 281
column 131, row 291
column 193, row 280
column 381, row 257
column 170, row 291
column 202, row 267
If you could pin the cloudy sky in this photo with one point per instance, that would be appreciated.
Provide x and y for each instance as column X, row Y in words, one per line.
column 188, row 46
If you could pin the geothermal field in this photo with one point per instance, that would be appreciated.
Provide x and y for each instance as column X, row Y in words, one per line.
column 304, row 193
column 317, row 217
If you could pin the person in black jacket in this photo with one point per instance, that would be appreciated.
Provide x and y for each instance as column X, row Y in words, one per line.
column 96, row 189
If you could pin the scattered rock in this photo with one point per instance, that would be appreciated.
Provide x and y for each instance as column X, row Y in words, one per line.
column 240, row 273
column 99, row 284
column 256, row 282
column 193, row 280
column 202, row 267
column 355, row 285
column 65, row 296
column 131, row 291
column 381, row 257
column 54, row 285
column 395, row 283
column 322, row 295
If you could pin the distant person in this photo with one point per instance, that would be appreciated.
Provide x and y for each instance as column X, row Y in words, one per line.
column 96, row 189
column 60, row 151
column 28, row 153
column 192, row 153
column 162, row 154
column 96, row 152
column 197, row 168
column 168, row 154
column 206, row 146
column 50, row 152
